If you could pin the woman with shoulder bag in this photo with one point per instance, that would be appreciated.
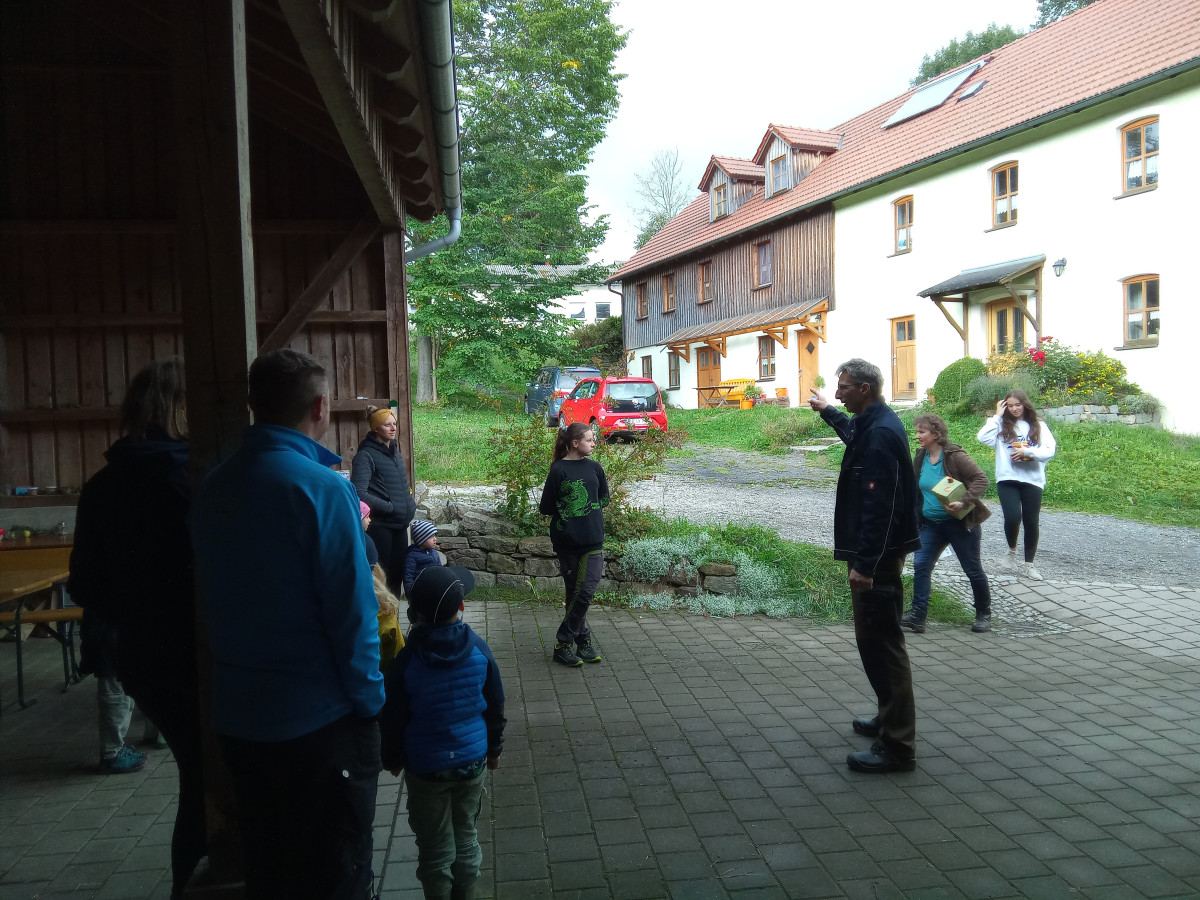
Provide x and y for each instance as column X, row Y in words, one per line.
column 941, row 524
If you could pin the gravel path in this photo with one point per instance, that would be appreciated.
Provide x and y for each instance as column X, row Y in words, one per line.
column 785, row 493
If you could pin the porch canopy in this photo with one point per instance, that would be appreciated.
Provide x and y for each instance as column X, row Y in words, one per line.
column 774, row 322
column 1007, row 276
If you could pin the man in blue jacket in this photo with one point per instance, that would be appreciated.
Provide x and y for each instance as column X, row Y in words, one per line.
column 874, row 528
column 291, row 613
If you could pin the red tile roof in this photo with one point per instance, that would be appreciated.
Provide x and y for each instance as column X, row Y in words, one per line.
column 809, row 138
column 1077, row 60
column 734, row 167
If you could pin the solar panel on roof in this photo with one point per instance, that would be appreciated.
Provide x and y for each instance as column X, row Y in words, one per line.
column 932, row 94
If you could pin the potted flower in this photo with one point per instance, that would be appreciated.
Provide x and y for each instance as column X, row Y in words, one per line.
column 751, row 394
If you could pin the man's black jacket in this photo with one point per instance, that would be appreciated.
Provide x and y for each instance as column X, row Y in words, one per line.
column 877, row 495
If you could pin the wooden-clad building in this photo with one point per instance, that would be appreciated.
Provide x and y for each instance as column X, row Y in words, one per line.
column 208, row 178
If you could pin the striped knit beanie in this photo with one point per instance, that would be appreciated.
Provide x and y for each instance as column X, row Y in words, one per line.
column 422, row 530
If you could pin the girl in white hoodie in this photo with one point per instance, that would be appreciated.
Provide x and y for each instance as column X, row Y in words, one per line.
column 1023, row 445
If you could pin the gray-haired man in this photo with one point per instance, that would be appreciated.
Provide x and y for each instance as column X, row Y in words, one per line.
column 874, row 528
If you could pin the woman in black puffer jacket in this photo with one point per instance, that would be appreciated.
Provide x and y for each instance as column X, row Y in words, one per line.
column 380, row 478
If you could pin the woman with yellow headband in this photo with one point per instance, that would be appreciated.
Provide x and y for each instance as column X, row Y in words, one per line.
column 381, row 480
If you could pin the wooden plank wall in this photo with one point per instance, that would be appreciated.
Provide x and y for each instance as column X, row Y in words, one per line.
column 88, row 271
column 803, row 263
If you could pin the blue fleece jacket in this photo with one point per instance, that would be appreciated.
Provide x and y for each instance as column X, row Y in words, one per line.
column 288, row 596
column 445, row 701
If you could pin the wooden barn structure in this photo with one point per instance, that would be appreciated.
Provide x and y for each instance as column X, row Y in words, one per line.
column 210, row 178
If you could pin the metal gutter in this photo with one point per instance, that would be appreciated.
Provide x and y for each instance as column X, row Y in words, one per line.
column 437, row 46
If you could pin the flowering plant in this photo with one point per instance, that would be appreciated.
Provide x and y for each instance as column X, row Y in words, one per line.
column 1038, row 356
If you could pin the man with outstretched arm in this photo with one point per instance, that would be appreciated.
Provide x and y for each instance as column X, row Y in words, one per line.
column 874, row 528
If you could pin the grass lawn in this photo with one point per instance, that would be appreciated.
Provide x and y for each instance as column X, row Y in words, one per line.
column 1135, row 473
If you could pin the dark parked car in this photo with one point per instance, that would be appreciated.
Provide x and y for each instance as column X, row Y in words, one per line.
column 616, row 407
column 547, row 391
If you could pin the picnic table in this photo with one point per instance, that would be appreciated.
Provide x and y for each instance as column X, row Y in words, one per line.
column 26, row 573
column 719, row 395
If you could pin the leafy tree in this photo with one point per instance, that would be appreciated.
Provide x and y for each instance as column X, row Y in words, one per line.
column 1053, row 10
column 601, row 341
column 958, row 52
column 663, row 194
column 536, row 91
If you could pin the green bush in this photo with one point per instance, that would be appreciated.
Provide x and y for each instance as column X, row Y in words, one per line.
column 519, row 455
column 951, row 383
column 983, row 393
column 1141, row 403
column 780, row 434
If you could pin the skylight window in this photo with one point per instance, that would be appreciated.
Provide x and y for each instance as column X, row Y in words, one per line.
column 972, row 89
column 932, row 94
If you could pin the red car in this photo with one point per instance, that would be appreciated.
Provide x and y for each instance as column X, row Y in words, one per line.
column 616, row 407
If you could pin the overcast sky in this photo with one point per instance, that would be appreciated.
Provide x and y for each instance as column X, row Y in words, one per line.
column 708, row 77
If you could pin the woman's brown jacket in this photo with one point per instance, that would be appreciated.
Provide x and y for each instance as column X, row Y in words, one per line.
column 957, row 463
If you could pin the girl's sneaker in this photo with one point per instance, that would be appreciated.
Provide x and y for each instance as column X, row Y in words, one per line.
column 587, row 652
column 565, row 654
column 1028, row 570
column 125, row 760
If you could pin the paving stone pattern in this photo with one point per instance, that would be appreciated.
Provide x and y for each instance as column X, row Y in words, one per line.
column 705, row 758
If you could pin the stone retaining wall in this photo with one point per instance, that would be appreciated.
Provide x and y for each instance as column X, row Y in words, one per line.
column 1092, row 412
column 529, row 564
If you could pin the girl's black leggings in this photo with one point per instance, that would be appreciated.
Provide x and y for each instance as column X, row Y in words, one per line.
column 1022, row 505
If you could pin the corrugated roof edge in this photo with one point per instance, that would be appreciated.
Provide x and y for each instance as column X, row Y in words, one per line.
column 1127, row 88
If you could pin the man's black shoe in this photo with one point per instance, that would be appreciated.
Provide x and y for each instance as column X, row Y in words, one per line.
column 913, row 622
column 866, row 727
column 983, row 622
column 879, row 760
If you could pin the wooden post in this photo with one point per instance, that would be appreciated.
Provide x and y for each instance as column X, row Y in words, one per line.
column 396, row 300
column 216, row 245
column 216, row 277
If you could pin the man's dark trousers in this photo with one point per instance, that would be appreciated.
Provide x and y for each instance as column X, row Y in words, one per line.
column 306, row 808
column 881, row 646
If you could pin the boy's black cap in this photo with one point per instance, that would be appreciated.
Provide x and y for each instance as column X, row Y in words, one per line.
column 438, row 590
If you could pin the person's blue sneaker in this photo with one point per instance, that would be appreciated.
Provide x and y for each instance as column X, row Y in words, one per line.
column 125, row 760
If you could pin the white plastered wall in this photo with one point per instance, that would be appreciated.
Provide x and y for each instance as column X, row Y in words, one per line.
column 1069, row 176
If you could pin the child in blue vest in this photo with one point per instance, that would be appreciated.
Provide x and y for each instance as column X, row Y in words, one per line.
column 443, row 725
column 422, row 552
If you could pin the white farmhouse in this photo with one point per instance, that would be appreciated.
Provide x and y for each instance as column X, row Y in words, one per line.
column 1014, row 198
column 594, row 302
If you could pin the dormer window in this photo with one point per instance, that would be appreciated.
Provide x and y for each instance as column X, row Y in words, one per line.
column 779, row 174
column 720, row 200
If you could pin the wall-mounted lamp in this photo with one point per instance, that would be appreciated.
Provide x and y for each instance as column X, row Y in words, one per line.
column 1059, row 265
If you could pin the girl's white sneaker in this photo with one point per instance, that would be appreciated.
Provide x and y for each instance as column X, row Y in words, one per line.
column 1028, row 570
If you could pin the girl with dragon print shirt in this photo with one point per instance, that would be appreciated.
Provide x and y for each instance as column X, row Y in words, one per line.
column 575, row 494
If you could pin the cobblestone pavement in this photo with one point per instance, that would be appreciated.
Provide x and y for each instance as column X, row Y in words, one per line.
column 705, row 758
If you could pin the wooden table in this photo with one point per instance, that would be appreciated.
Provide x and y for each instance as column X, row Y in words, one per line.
column 25, row 572
column 718, row 394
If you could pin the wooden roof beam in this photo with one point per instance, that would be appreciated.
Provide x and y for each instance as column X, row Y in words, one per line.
column 327, row 33
column 335, row 267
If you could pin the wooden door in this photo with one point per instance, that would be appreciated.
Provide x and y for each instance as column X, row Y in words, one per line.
column 808, row 351
column 1006, row 327
column 904, row 358
column 708, row 368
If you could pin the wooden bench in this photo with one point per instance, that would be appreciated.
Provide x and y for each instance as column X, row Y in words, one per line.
column 738, row 385
column 18, row 586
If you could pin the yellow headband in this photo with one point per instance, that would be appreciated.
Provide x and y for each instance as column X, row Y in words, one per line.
column 378, row 417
